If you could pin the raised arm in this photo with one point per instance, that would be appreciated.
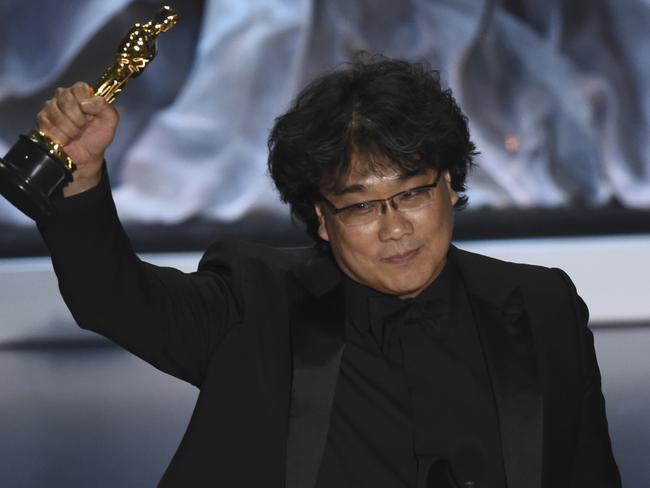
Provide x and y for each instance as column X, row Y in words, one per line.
column 170, row 319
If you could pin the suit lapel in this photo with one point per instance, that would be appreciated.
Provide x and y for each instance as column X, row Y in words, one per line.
column 316, row 320
column 509, row 349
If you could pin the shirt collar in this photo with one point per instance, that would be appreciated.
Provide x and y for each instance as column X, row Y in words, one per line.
column 366, row 306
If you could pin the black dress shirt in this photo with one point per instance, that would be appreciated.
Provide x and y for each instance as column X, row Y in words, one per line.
column 413, row 390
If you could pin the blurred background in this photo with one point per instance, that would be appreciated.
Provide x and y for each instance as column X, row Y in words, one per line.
column 558, row 98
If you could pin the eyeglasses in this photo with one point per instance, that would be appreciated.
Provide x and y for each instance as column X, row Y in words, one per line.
column 363, row 213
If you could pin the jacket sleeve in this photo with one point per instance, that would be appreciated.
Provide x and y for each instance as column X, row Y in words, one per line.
column 594, row 464
column 171, row 319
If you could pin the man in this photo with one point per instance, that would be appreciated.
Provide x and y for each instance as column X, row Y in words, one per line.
column 383, row 357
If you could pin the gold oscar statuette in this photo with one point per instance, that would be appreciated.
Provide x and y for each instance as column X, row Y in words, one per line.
column 36, row 168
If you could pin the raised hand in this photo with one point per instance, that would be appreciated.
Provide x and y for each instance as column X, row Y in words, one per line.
column 85, row 125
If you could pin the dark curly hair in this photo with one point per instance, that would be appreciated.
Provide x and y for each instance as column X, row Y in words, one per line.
column 393, row 112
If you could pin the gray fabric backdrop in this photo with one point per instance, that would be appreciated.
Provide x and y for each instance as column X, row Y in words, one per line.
column 557, row 92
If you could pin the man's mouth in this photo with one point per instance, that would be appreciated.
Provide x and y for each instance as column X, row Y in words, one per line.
column 402, row 258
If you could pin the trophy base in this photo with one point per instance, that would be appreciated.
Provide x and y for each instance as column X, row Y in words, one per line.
column 30, row 176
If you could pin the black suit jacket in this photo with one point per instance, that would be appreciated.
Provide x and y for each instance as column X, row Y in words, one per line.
column 259, row 331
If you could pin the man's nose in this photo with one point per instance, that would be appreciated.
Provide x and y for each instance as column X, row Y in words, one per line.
column 393, row 223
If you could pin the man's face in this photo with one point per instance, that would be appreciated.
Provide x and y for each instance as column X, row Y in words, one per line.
column 399, row 253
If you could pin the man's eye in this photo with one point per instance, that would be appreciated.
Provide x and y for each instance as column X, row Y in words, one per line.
column 361, row 208
column 414, row 193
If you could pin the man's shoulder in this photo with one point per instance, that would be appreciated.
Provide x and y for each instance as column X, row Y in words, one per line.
column 246, row 253
column 247, row 262
column 488, row 264
column 492, row 272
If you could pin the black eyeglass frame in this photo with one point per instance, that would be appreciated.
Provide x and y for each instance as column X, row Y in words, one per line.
column 384, row 201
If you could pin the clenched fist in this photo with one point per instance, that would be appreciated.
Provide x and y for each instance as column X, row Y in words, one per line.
column 85, row 126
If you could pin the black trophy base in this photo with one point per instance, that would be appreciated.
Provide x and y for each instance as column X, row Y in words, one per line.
column 30, row 177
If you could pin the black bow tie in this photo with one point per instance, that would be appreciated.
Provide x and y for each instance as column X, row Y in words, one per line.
column 429, row 318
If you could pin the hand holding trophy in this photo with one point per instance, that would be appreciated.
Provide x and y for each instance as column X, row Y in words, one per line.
column 65, row 154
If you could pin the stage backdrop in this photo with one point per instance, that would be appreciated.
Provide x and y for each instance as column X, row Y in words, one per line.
column 557, row 92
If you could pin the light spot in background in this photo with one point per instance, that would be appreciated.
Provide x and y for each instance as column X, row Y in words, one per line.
column 512, row 143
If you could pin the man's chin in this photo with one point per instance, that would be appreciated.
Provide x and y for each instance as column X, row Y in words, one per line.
column 405, row 289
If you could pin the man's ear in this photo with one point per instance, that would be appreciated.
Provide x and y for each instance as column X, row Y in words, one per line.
column 453, row 196
column 322, row 228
